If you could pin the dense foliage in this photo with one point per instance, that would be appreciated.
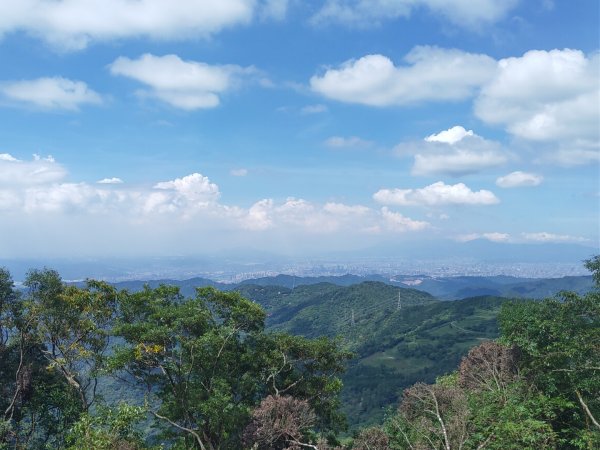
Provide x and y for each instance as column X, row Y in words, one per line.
column 203, row 365
column 206, row 372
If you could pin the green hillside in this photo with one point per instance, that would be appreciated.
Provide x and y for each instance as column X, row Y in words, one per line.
column 394, row 347
column 417, row 343
column 326, row 310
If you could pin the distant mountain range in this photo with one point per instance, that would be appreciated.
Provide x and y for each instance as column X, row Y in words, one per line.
column 444, row 288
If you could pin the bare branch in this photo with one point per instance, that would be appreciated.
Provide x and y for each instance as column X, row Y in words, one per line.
column 182, row 428
column 586, row 409
column 11, row 406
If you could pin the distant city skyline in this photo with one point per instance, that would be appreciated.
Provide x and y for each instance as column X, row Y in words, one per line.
column 304, row 129
column 522, row 261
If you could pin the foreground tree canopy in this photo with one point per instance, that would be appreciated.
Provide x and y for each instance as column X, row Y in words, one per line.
column 95, row 368
column 195, row 368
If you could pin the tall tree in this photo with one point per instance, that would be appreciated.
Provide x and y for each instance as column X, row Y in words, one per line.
column 37, row 406
column 560, row 344
column 207, row 362
column 71, row 325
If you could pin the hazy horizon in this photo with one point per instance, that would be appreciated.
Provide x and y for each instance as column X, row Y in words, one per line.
column 476, row 258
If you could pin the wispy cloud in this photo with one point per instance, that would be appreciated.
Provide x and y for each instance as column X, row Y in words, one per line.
column 473, row 14
column 241, row 172
column 313, row 109
column 50, row 93
column 351, row 142
column 544, row 236
column 519, row 179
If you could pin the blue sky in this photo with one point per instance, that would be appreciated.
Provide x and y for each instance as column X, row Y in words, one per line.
column 165, row 128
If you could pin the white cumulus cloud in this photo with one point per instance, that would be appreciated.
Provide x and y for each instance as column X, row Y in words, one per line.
column 428, row 74
column 187, row 85
column 545, row 96
column 455, row 152
column 450, row 136
column 7, row 157
column 300, row 214
column 190, row 206
column 195, row 188
column 50, row 93
column 519, row 179
column 259, row 216
column 73, row 24
column 436, row 194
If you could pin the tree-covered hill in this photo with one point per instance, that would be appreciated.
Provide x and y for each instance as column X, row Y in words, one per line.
column 395, row 343
column 330, row 310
